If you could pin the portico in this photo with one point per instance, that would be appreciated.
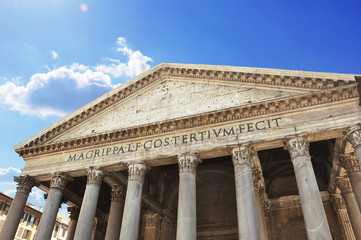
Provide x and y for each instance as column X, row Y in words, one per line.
column 207, row 152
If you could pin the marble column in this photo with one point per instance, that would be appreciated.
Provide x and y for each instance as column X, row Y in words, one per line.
column 187, row 215
column 311, row 202
column 88, row 208
column 259, row 196
column 53, row 201
column 352, row 166
column 354, row 137
column 115, row 213
column 133, row 200
column 25, row 184
column 152, row 222
column 248, row 224
column 339, row 205
column 344, row 185
column 74, row 214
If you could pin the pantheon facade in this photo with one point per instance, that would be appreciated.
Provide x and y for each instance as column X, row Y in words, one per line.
column 203, row 152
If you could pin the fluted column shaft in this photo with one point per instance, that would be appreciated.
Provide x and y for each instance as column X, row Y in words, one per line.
column 115, row 213
column 339, row 205
column 312, row 207
column 352, row 166
column 351, row 204
column 53, row 201
column 25, row 184
column 187, row 215
column 133, row 199
column 89, row 204
column 74, row 214
column 248, row 227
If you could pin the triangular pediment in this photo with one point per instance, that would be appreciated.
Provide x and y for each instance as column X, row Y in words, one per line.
column 170, row 92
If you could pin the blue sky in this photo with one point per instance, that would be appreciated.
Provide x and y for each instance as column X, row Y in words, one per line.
column 56, row 56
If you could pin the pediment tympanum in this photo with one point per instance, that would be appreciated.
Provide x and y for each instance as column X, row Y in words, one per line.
column 176, row 96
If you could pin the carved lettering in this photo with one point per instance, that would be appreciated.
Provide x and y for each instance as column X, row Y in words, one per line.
column 179, row 139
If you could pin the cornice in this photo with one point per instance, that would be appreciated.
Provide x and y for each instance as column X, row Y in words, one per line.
column 230, row 114
column 231, row 74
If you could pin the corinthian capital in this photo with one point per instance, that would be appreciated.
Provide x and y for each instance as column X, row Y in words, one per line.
column 25, row 183
column 337, row 202
column 188, row 162
column 349, row 162
column 354, row 136
column 297, row 145
column 59, row 180
column 242, row 154
column 95, row 175
column 344, row 184
column 118, row 193
column 137, row 170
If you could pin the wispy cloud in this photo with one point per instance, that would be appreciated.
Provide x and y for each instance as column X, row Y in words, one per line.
column 64, row 89
column 4, row 171
column 54, row 54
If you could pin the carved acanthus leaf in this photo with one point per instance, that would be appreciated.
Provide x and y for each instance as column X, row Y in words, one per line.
column 242, row 154
column 59, row 180
column 25, row 183
column 188, row 162
column 349, row 162
column 95, row 175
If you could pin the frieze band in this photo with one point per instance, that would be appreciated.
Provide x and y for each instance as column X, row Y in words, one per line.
column 178, row 140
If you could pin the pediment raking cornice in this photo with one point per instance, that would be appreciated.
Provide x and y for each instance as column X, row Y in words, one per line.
column 310, row 81
column 281, row 105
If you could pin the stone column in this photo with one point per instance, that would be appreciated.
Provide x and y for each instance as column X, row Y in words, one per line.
column 152, row 226
column 248, row 227
column 340, row 208
column 74, row 214
column 259, row 196
column 89, row 204
column 352, row 166
column 25, row 184
column 53, row 201
column 133, row 199
column 354, row 137
column 115, row 213
column 354, row 214
column 187, row 215
column 312, row 207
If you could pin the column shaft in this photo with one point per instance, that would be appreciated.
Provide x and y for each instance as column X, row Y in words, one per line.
column 187, row 214
column 338, row 204
column 8, row 230
column 312, row 207
column 48, row 218
column 351, row 205
column 133, row 199
column 89, row 204
column 248, row 228
column 74, row 214
column 115, row 213
column 355, row 179
column 352, row 166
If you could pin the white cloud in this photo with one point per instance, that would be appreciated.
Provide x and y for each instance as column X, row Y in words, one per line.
column 64, row 89
column 4, row 171
column 54, row 54
column 137, row 62
column 36, row 197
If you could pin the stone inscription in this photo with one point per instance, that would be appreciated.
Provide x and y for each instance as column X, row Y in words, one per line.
column 178, row 139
